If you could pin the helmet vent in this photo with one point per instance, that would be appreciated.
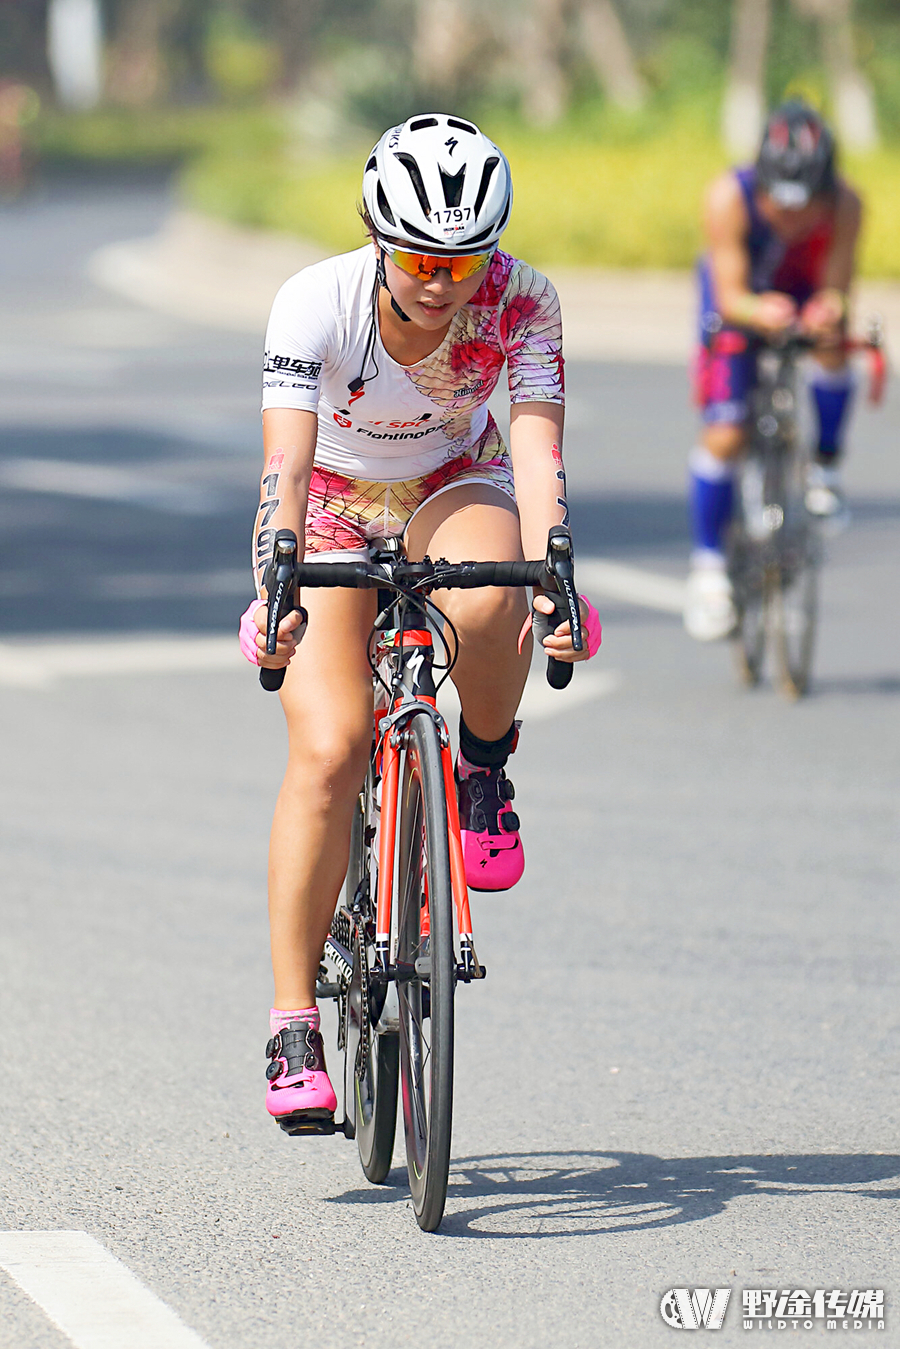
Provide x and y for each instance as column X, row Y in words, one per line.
column 453, row 186
column 412, row 169
column 422, row 122
column 491, row 231
column 461, row 126
column 486, row 175
column 372, row 164
column 383, row 206
column 412, row 232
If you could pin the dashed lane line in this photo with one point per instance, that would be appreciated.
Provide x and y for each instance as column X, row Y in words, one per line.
column 37, row 665
column 540, row 701
column 615, row 580
column 91, row 1296
column 100, row 482
column 43, row 665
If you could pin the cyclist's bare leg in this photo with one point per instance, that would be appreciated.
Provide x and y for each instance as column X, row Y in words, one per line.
column 327, row 701
column 476, row 522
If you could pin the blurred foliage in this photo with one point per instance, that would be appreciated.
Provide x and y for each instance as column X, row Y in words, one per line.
column 281, row 99
column 158, row 136
column 241, row 64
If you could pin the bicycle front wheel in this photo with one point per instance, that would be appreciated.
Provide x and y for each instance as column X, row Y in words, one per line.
column 425, row 954
column 794, row 606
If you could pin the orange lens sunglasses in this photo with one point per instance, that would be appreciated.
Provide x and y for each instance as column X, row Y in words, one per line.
column 425, row 265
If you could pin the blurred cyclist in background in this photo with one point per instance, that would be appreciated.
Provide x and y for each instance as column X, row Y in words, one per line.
column 781, row 239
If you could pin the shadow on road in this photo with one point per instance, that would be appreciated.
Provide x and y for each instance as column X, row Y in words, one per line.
column 579, row 1194
column 854, row 686
column 121, row 530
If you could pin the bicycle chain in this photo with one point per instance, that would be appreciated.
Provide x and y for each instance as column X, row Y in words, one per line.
column 361, row 1066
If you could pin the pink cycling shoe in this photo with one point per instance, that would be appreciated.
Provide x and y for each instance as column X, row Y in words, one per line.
column 299, row 1090
column 492, row 850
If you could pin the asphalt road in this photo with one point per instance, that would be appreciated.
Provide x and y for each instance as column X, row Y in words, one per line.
column 682, row 1069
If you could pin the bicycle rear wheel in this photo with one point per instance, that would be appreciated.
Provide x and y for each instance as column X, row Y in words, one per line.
column 425, row 954
column 371, row 1058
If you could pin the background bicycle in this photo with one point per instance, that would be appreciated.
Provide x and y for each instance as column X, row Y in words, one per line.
column 775, row 545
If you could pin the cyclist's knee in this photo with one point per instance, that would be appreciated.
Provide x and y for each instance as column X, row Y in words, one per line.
column 830, row 360
column 480, row 615
column 725, row 440
column 329, row 759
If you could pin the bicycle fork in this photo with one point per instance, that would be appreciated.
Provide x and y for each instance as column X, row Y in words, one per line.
column 414, row 695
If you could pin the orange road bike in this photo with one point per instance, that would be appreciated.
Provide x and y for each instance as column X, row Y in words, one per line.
column 401, row 940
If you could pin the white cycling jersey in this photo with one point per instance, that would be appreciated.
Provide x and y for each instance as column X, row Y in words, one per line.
column 408, row 420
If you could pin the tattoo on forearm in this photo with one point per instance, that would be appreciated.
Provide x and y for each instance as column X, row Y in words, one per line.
column 269, row 503
column 561, row 475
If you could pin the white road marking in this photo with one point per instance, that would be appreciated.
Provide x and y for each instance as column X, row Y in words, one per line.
column 648, row 589
column 37, row 665
column 60, row 477
column 540, row 701
column 90, row 1295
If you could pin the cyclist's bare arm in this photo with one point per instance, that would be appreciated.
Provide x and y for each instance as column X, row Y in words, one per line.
column 725, row 224
column 535, row 445
column 827, row 310
column 289, row 440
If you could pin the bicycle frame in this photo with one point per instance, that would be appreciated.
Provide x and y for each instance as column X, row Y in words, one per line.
column 404, row 684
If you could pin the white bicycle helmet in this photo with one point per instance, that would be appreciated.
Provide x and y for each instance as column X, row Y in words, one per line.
column 438, row 182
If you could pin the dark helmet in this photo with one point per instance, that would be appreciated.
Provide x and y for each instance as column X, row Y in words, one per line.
column 796, row 158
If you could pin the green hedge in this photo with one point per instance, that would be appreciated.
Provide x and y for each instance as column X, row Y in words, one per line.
column 603, row 191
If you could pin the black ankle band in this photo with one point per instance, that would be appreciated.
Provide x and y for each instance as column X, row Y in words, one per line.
column 485, row 753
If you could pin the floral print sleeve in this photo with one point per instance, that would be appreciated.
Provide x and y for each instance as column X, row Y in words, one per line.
column 530, row 332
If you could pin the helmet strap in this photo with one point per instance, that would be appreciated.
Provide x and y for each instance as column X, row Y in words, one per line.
column 382, row 281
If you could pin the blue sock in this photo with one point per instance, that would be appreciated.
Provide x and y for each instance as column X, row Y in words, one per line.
column 712, row 500
column 832, row 391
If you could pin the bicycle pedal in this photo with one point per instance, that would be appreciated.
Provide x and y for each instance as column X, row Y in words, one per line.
column 324, row 989
column 306, row 1122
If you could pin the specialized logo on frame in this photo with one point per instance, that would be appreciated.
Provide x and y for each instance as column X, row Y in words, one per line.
column 774, row 1309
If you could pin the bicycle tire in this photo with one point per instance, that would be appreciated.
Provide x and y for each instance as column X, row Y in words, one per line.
column 793, row 608
column 747, row 573
column 370, row 1095
column 426, row 996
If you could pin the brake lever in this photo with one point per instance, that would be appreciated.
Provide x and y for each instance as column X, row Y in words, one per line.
column 560, row 566
column 281, row 588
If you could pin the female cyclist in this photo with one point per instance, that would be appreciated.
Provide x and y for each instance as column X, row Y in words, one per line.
column 379, row 364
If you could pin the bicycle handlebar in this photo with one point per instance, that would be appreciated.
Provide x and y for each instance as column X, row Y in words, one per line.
column 555, row 575
column 795, row 341
column 437, row 575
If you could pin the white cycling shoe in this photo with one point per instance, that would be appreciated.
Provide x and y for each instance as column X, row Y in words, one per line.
column 824, row 497
column 709, row 612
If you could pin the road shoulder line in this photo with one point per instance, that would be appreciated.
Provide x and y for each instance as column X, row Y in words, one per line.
column 90, row 1295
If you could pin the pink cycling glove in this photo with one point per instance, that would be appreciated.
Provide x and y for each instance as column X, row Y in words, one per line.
column 591, row 627
column 248, row 631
